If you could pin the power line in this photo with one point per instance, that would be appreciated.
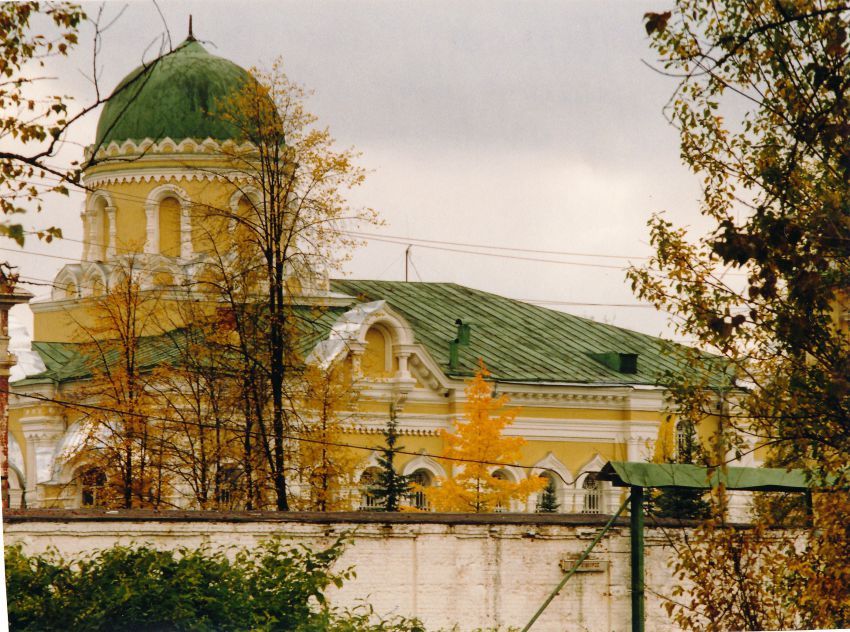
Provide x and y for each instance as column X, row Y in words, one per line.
column 208, row 426
column 501, row 256
column 41, row 281
column 403, row 239
column 419, row 240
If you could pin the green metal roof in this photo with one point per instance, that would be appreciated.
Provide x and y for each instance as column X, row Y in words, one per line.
column 175, row 96
column 517, row 341
column 66, row 361
column 765, row 479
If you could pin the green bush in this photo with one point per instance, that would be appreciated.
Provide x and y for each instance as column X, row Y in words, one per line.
column 277, row 587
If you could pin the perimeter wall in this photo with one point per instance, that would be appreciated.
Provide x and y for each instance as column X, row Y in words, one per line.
column 473, row 571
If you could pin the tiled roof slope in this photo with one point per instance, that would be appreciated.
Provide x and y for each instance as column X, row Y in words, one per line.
column 517, row 341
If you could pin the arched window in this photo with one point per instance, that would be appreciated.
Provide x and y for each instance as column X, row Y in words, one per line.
column 169, row 227
column 501, row 475
column 592, row 493
column 418, row 499
column 92, row 487
column 368, row 501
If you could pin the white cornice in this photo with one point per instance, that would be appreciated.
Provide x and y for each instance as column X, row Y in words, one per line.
column 134, row 158
column 18, row 395
column 151, row 174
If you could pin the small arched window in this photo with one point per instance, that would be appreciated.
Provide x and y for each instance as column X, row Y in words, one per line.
column 368, row 500
column 501, row 475
column 592, row 493
column 417, row 499
column 93, row 487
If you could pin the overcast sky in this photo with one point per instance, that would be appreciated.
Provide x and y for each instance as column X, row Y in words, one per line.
column 530, row 125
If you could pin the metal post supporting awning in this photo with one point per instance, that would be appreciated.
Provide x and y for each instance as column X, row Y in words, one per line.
column 640, row 476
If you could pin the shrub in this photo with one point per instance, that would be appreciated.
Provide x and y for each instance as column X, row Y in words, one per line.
column 277, row 586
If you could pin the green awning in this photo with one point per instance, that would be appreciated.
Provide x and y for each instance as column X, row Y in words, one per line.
column 765, row 479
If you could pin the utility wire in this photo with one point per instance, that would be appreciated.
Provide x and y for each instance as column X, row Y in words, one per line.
column 208, row 426
column 199, row 424
column 365, row 235
column 41, row 281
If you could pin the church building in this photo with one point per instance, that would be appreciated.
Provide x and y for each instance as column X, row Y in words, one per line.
column 586, row 391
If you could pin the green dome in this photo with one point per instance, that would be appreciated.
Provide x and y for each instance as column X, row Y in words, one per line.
column 177, row 98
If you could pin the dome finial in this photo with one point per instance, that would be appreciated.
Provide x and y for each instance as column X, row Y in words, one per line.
column 191, row 35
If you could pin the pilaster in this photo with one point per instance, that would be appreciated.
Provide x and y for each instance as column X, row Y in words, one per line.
column 151, row 229
column 113, row 232
column 42, row 434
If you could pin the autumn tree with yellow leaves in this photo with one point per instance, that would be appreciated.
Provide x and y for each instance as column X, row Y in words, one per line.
column 761, row 105
column 125, row 442
column 270, row 249
column 325, row 466
column 476, row 447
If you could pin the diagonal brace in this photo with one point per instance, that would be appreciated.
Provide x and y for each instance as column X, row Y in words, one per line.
column 578, row 563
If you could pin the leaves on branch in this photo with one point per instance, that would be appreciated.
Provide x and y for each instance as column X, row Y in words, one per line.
column 656, row 21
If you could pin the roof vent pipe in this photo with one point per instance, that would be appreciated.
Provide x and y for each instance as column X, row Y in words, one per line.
column 464, row 332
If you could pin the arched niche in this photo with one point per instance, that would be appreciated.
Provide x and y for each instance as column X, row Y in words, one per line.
column 553, row 470
column 168, row 222
column 66, row 286
column 378, row 360
column 243, row 214
column 99, row 227
column 381, row 334
column 95, row 282
column 168, row 216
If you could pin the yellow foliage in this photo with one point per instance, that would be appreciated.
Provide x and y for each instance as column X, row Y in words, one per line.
column 326, row 469
column 475, row 485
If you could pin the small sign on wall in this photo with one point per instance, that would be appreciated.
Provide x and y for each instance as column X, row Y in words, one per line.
column 590, row 565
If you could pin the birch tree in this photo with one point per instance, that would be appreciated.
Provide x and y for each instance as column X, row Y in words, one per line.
column 287, row 232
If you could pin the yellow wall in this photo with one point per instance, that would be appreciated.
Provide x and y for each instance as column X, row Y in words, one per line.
column 78, row 321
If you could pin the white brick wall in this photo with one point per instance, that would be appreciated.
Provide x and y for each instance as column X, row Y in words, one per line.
column 473, row 572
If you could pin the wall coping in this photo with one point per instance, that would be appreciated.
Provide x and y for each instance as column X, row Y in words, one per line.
column 19, row 516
